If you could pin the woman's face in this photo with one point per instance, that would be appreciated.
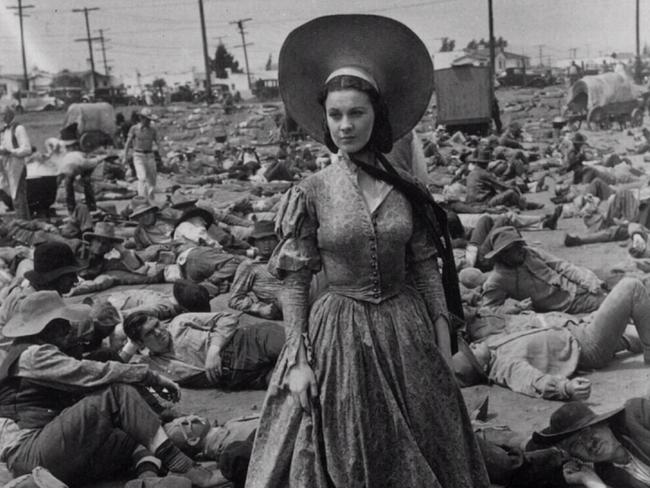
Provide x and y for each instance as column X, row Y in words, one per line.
column 350, row 119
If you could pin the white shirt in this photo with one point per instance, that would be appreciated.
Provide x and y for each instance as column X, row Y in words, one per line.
column 24, row 146
column 637, row 469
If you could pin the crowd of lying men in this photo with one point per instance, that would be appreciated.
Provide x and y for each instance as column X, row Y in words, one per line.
column 88, row 381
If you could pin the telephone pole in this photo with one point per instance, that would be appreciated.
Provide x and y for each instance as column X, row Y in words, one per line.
column 540, row 47
column 20, row 7
column 637, row 70
column 240, row 26
column 572, row 52
column 491, row 43
column 206, row 58
column 103, row 41
column 90, row 40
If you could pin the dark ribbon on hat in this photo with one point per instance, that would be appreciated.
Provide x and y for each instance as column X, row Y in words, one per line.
column 433, row 214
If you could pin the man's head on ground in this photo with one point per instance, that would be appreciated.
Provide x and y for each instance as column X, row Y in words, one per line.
column 55, row 268
column 575, row 428
column 191, row 296
column 480, row 157
column 147, row 331
column 8, row 114
column 515, row 129
column 102, row 239
column 44, row 317
column 579, row 140
column 263, row 238
column 506, row 246
column 143, row 212
column 471, row 363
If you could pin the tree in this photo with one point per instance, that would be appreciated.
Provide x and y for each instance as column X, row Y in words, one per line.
column 448, row 45
column 222, row 60
column 472, row 45
column 159, row 83
column 66, row 79
column 269, row 64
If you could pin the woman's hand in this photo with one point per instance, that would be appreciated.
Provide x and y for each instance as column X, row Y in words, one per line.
column 302, row 385
column 577, row 473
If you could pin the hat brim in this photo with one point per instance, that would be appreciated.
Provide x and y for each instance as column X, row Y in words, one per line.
column 90, row 235
column 261, row 235
column 464, row 348
column 183, row 205
column 151, row 208
column 545, row 436
column 195, row 212
column 17, row 326
column 494, row 252
column 378, row 45
column 44, row 278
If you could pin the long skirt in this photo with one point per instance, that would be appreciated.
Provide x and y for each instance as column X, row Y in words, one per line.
column 389, row 412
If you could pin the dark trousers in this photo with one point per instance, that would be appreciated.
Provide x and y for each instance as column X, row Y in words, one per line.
column 89, row 191
column 92, row 440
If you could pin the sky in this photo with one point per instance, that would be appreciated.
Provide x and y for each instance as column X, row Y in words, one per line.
column 156, row 37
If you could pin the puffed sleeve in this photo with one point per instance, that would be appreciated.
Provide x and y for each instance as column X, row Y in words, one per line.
column 422, row 263
column 294, row 261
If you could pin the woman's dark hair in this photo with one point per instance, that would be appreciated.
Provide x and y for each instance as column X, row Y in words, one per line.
column 192, row 296
column 133, row 325
column 381, row 138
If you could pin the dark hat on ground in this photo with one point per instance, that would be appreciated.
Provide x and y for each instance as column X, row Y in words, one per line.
column 39, row 309
column 480, row 156
column 195, row 212
column 51, row 261
column 579, row 138
column 370, row 44
column 139, row 206
column 569, row 419
column 103, row 230
column 500, row 238
column 262, row 229
column 466, row 367
column 179, row 202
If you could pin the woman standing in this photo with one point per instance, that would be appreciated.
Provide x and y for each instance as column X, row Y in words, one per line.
column 362, row 395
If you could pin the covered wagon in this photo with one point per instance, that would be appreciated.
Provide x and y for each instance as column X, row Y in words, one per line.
column 94, row 124
column 606, row 98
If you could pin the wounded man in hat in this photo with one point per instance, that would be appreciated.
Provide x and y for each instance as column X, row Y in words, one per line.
column 616, row 442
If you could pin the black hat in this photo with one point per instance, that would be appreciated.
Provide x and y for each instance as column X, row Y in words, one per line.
column 569, row 419
column 195, row 212
column 51, row 261
column 368, row 44
column 480, row 156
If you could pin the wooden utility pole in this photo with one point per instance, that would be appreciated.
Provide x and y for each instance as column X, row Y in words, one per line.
column 20, row 7
column 90, row 40
column 491, row 43
column 540, row 47
column 240, row 25
column 206, row 58
column 103, row 42
column 637, row 70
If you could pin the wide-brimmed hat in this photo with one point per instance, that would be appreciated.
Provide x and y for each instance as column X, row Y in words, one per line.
column 195, row 212
column 500, row 238
column 147, row 113
column 180, row 202
column 466, row 367
column 39, row 309
column 262, row 229
column 139, row 206
column 480, row 156
column 51, row 261
column 371, row 44
column 579, row 138
column 103, row 230
column 569, row 419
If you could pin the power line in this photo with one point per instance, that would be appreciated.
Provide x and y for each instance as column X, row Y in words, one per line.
column 20, row 7
column 90, row 40
column 240, row 26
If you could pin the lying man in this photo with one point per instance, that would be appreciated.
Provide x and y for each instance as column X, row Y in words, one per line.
column 536, row 354
column 82, row 420
column 204, row 350
column 521, row 272
column 616, row 442
column 254, row 290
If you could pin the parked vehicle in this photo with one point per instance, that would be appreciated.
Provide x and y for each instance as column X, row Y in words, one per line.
column 30, row 101
column 519, row 77
column 112, row 94
column 67, row 94
column 606, row 98
column 463, row 98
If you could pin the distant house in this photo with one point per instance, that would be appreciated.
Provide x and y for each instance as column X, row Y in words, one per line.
column 86, row 79
column 502, row 59
column 38, row 81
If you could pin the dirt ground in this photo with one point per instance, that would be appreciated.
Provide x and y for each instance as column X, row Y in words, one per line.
column 624, row 378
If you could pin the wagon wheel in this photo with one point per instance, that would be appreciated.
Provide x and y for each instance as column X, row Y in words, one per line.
column 596, row 118
column 637, row 117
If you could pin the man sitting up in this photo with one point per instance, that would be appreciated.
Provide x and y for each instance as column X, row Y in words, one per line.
column 484, row 187
column 204, row 349
column 521, row 272
column 254, row 290
column 536, row 354
column 82, row 420
column 616, row 442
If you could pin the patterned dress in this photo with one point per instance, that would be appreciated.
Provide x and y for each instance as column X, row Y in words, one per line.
column 389, row 412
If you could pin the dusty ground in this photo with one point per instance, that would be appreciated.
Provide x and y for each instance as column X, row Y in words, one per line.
column 624, row 378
